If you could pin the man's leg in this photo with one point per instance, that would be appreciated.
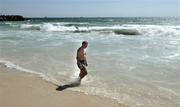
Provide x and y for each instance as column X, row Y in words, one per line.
column 83, row 73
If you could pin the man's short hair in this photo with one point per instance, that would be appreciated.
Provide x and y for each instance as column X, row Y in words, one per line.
column 84, row 42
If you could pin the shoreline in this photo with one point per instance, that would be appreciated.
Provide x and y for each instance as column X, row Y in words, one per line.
column 21, row 89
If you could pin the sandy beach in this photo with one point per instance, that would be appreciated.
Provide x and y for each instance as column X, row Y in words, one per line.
column 18, row 89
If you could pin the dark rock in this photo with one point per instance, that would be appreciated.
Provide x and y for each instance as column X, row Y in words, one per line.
column 12, row 18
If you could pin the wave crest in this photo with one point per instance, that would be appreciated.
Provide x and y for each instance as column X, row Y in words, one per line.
column 126, row 31
column 116, row 29
column 30, row 27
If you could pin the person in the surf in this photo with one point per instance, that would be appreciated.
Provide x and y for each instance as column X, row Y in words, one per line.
column 81, row 60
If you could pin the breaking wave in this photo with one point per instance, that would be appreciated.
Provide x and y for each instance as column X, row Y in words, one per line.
column 126, row 31
column 116, row 29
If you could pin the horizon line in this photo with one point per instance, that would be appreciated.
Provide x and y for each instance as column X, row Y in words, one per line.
column 93, row 16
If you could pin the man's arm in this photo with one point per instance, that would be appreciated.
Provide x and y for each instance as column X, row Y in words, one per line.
column 79, row 55
column 86, row 62
column 85, row 58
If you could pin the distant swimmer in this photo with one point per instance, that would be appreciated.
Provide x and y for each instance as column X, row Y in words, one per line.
column 81, row 60
column 77, row 28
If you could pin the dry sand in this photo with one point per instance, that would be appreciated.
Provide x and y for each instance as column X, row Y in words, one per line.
column 19, row 89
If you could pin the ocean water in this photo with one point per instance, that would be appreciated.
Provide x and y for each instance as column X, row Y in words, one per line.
column 135, row 61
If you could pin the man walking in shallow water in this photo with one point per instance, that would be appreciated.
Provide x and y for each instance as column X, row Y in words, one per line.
column 81, row 60
column 82, row 64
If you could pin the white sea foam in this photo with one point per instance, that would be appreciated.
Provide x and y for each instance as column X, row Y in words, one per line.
column 31, row 26
column 149, row 30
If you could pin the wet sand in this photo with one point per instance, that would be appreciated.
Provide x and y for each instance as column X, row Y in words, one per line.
column 19, row 89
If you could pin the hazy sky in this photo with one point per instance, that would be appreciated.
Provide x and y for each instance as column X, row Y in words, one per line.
column 90, row 8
